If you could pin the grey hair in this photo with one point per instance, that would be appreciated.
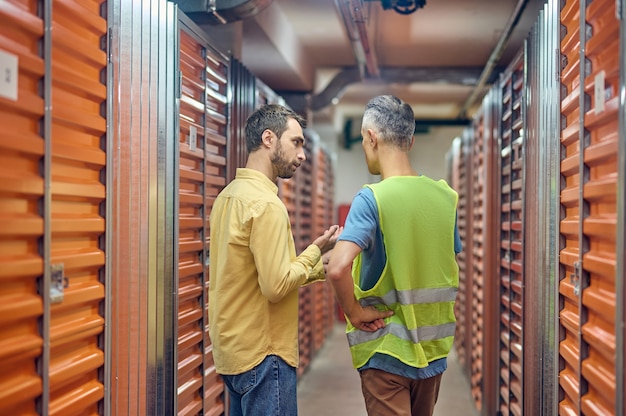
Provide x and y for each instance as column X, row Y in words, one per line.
column 271, row 117
column 392, row 119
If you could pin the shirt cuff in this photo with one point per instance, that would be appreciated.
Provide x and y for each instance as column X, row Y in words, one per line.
column 315, row 264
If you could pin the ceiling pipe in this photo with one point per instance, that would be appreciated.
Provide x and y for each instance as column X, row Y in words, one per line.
column 353, row 18
column 221, row 12
column 371, row 63
column 444, row 75
column 494, row 57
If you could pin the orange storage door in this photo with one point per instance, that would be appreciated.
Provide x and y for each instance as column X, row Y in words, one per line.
column 318, row 225
column 21, row 217
column 215, row 172
column 478, row 225
column 287, row 191
column 599, row 198
column 588, row 199
column 569, row 314
column 460, row 184
column 202, row 174
column 326, row 192
column 192, row 233
column 77, row 204
column 302, row 228
column 323, row 212
column 72, row 371
column 511, row 241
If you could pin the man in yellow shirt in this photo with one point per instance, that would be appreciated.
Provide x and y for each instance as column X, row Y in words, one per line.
column 255, row 273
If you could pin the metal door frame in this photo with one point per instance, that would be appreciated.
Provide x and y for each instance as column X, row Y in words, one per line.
column 620, row 287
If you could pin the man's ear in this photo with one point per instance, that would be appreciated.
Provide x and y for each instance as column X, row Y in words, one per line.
column 267, row 137
column 372, row 138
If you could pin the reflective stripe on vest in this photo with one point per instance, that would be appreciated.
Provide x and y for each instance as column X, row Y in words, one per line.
column 417, row 335
column 408, row 298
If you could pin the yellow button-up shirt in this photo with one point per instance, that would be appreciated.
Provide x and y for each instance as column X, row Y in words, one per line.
column 255, row 275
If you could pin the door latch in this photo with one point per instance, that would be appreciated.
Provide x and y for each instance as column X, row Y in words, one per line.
column 58, row 283
column 575, row 278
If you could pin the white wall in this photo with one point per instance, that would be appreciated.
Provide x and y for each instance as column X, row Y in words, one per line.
column 428, row 157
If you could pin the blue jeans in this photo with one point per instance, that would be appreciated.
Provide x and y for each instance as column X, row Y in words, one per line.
column 267, row 389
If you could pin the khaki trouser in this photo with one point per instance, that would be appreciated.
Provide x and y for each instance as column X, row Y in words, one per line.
column 388, row 394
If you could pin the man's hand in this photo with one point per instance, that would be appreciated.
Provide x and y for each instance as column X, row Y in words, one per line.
column 368, row 319
column 339, row 273
column 327, row 240
column 325, row 260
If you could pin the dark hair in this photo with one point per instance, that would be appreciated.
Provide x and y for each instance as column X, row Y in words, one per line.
column 271, row 117
column 391, row 118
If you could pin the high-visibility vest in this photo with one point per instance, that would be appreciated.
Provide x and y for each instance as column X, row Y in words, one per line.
column 420, row 279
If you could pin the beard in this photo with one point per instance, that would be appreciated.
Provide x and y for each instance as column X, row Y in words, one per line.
column 283, row 166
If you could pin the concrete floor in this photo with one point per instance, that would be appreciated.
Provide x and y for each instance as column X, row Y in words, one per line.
column 330, row 386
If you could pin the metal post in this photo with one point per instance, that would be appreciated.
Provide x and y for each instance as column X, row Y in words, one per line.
column 44, row 364
column 112, row 132
column 552, row 54
column 620, row 292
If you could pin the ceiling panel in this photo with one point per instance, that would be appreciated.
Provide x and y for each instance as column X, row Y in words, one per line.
column 298, row 45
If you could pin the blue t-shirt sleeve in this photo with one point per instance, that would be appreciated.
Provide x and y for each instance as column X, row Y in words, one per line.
column 362, row 220
column 458, row 245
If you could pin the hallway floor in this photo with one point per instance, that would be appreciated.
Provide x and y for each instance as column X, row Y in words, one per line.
column 330, row 386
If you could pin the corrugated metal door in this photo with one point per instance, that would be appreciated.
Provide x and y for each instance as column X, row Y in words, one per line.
column 599, row 198
column 77, row 204
column 477, row 329
column 288, row 194
column 21, row 198
column 202, row 174
column 480, row 290
column 243, row 93
column 620, row 408
column 323, row 209
column 215, row 172
column 460, row 184
column 304, row 178
column 511, row 239
column 489, row 301
column 326, row 192
column 191, row 227
column 74, row 238
column 569, row 314
column 588, row 198
column 319, row 224
column 302, row 232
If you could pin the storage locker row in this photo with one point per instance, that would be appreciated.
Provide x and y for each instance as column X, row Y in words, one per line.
column 540, row 175
column 126, row 125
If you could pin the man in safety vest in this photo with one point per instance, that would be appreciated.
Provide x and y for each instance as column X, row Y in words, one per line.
column 397, row 253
